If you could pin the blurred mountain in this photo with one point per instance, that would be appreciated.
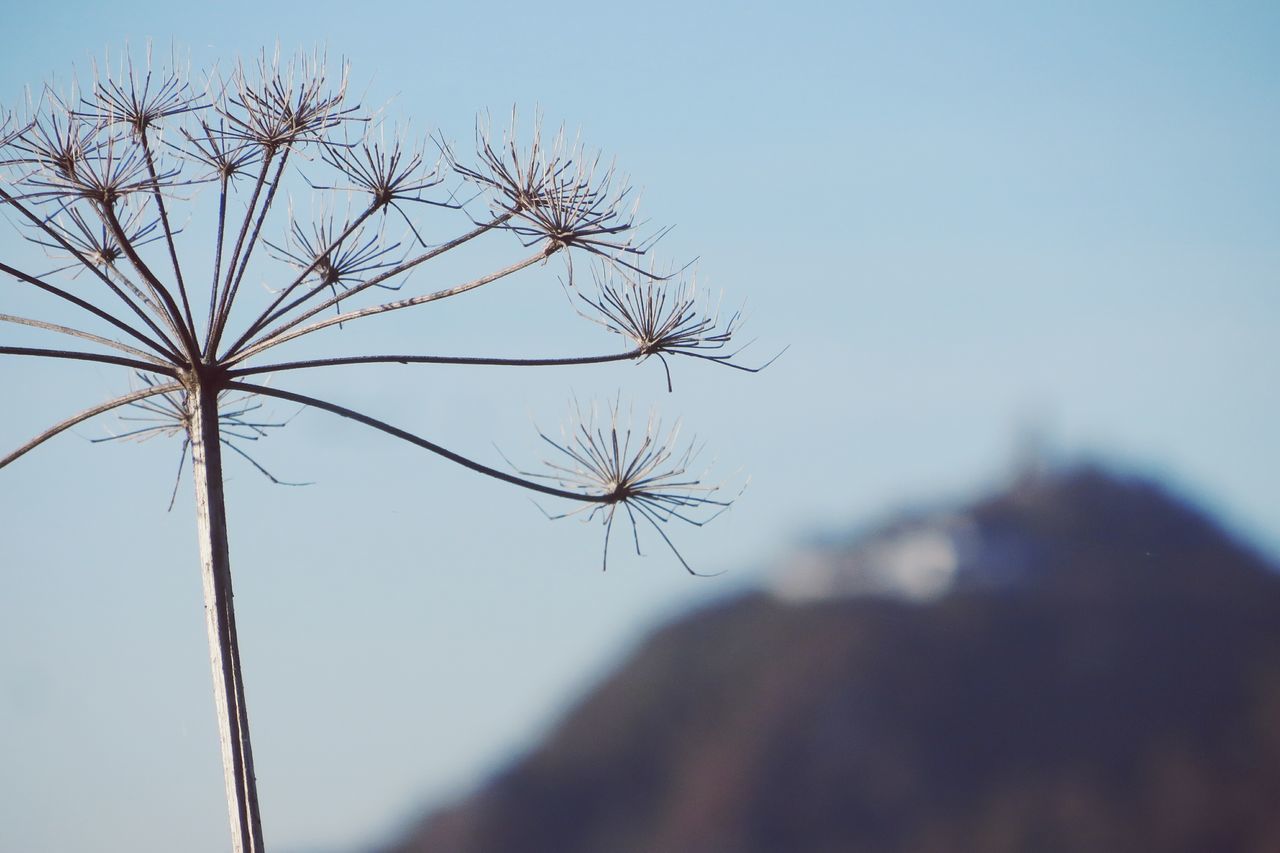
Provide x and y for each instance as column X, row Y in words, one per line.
column 1082, row 663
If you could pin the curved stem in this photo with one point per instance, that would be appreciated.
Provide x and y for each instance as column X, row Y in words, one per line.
column 86, row 414
column 383, row 426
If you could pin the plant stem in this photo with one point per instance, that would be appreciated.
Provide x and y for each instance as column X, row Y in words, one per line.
column 224, row 652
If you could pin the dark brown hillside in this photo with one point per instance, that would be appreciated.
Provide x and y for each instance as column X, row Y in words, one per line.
column 1103, row 675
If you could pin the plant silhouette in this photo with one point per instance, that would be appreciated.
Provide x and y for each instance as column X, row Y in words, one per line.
column 106, row 179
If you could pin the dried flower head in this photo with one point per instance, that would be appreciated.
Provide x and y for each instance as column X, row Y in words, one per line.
column 336, row 256
column 285, row 104
column 53, row 139
column 67, row 156
column 389, row 173
column 648, row 475
column 558, row 192
column 212, row 146
column 140, row 100
column 661, row 317
column 93, row 241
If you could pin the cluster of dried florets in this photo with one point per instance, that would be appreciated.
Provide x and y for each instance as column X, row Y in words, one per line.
column 560, row 193
column 661, row 318
column 96, row 179
column 649, row 475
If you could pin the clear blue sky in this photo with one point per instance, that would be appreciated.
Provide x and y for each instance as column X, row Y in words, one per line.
column 965, row 220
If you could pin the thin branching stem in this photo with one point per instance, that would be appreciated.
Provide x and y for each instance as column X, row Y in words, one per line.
column 168, row 348
column 168, row 235
column 270, row 313
column 258, row 345
column 171, row 312
column 404, row 435
column 434, row 359
column 223, row 288
column 229, row 296
column 372, row 310
column 143, row 299
column 163, row 349
column 217, row 263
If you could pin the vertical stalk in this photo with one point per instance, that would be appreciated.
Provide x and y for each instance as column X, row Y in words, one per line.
column 224, row 651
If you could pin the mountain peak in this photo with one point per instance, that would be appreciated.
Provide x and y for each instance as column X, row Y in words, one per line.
column 1081, row 530
column 1088, row 664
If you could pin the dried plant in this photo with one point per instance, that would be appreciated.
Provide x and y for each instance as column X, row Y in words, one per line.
column 660, row 319
column 647, row 475
column 99, row 181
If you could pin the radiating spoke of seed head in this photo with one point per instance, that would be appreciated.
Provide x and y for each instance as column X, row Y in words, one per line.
column 139, row 98
column 210, row 145
column 10, row 129
column 86, row 414
column 663, row 317
column 60, row 329
column 168, row 415
column 332, row 260
column 90, row 239
column 53, row 138
column 391, row 173
column 288, row 104
column 557, row 191
column 164, row 414
column 646, row 473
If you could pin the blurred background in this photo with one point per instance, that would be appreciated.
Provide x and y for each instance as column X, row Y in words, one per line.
column 997, row 241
